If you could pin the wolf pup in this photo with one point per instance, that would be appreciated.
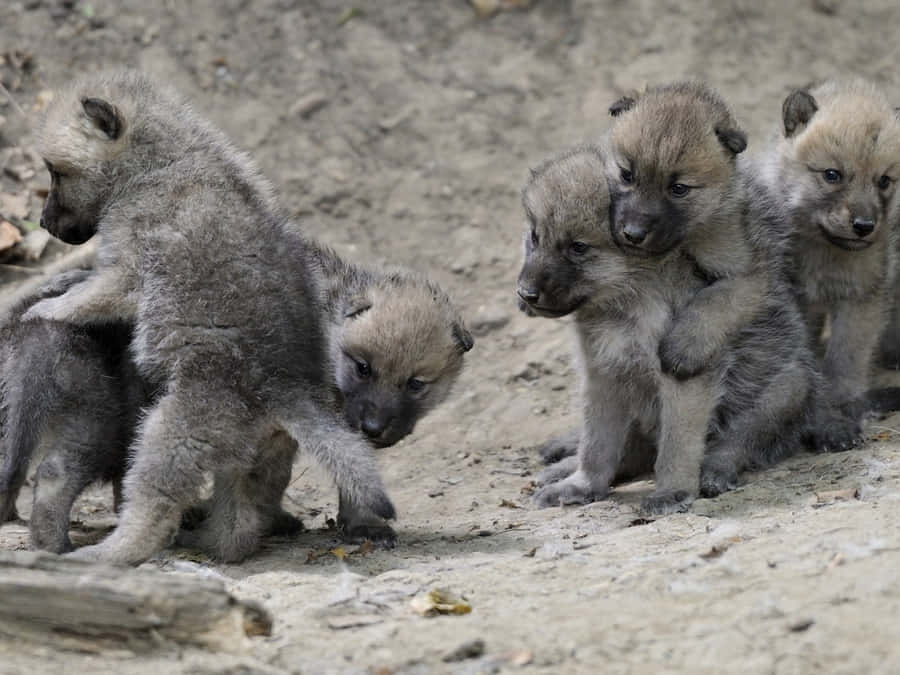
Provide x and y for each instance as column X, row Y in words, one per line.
column 748, row 407
column 74, row 390
column 222, row 290
column 396, row 345
column 834, row 173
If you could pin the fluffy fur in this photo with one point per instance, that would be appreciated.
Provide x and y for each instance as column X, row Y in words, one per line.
column 73, row 391
column 833, row 170
column 397, row 344
column 223, row 291
column 750, row 405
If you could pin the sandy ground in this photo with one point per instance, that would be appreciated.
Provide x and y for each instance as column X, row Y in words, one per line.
column 404, row 133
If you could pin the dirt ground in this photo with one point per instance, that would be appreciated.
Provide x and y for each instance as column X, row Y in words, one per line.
column 403, row 131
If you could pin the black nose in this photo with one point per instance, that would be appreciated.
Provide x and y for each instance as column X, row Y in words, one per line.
column 634, row 233
column 373, row 427
column 863, row 226
column 528, row 294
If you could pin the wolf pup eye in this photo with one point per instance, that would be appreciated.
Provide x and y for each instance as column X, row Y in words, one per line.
column 534, row 237
column 679, row 189
column 832, row 176
column 415, row 385
column 578, row 247
column 884, row 182
column 363, row 369
column 627, row 176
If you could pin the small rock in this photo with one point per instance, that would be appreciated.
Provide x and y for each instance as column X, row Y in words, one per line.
column 826, row 7
column 521, row 658
column 485, row 8
column 353, row 621
column 388, row 123
column 149, row 34
column 9, row 235
column 437, row 492
column 487, row 321
column 800, row 625
column 308, row 105
column 467, row 650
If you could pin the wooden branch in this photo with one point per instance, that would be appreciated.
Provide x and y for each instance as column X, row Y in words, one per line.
column 84, row 606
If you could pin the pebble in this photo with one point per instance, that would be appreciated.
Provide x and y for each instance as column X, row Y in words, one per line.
column 487, row 321
column 471, row 649
column 308, row 105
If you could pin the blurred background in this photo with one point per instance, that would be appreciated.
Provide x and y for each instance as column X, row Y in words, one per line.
column 403, row 131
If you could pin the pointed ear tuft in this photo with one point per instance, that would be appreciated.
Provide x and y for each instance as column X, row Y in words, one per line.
column 734, row 140
column 463, row 337
column 104, row 115
column 624, row 104
column 797, row 110
column 353, row 307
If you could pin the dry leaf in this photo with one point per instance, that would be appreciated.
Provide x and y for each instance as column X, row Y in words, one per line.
column 439, row 601
column 508, row 504
column 366, row 547
column 339, row 553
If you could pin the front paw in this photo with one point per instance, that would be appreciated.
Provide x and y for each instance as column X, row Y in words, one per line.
column 837, row 433
column 557, row 472
column 556, row 449
column 575, row 489
column 664, row 502
column 380, row 534
column 50, row 309
column 285, row 524
column 96, row 553
column 681, row 357
column 716, row 480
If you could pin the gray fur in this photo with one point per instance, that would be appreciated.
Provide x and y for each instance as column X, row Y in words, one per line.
column 406, row 327
column 748, row 407
column 225, row 296
column 833, row 173
column 73, row 391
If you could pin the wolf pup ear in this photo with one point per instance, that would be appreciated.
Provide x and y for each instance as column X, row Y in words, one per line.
column 624, row 104
column 797, row 110
column 463, row 337
column 353, row 307
column 734, row 140
column 104, row 115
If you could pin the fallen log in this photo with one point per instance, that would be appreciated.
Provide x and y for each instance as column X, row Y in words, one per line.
column 72, row 604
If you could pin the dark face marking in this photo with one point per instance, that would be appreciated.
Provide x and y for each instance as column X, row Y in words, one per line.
column 71, row 225
column 645, row 226
column 382, row 410
column 549, row 279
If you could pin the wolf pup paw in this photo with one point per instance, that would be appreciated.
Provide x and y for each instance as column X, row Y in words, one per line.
column 680, row 356
column 663, row 502
column 575, row 489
